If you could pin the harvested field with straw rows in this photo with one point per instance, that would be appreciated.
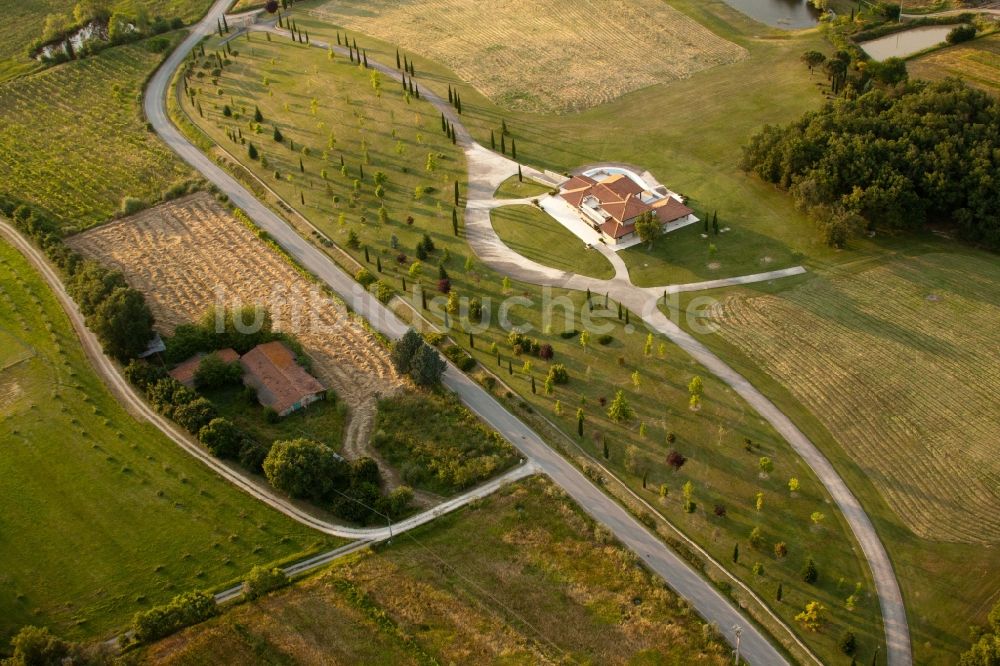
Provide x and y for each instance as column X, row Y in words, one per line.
column 181, row 254
column 977, row 63
column 549, row 56
column 899, row 364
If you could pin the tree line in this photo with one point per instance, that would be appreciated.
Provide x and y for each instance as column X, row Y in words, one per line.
column 117, row 314
column 901, row 158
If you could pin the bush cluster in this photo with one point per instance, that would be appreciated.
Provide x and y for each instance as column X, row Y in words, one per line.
column 183, row 611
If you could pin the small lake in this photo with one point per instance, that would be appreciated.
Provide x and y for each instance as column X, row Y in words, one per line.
column 785, row 14
column 902, row 44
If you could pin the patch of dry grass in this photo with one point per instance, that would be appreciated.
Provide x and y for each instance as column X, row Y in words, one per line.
column 977, row 63
column 549, row 56
column 522, row 577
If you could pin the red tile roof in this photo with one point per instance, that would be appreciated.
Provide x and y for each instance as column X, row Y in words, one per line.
column 670, row 209
column 280, row 381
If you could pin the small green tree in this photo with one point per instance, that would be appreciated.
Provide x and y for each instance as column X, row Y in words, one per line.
column 262, row 580
column 620, row 410
column 404, row 350
column 427, row 366
column 810, row 573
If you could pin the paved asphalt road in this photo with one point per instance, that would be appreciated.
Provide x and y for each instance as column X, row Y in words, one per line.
column 706, row 600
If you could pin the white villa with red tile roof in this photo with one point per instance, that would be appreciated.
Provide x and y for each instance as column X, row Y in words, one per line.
column 611, row 200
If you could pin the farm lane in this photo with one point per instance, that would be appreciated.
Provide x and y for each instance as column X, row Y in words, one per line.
column 706, row 600
column 131, row 400
column 487, row 170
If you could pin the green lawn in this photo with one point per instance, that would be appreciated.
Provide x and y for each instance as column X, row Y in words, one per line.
column 533, row 233
column 103, row 516
column 73, row 140
column 721, row 471
column 322, row 421
column 523, row 576
column 512, row 188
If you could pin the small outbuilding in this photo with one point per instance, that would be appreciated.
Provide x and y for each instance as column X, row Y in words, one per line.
column 281, row 383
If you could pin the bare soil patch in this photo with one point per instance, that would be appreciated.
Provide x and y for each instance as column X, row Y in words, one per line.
column 548, row 56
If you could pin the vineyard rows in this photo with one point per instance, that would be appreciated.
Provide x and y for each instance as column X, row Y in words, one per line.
column 72, row 139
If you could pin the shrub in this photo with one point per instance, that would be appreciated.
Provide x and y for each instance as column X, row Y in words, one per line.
column 566, row 335
column 444, row 285
column 558, row 374
column 382, row 291
column 262, row 580
column 545, row 352
column 213, row 372
column 459, row 357
column 848, row 644
column 427, row 366
column 131, row 205
column 404, row 349
column 221, row 438
column 37, row 645
column 364, row 277
column 195, row 415
column 676, row 460
column 183, row 611
column 809, row 572
column 252, row 454
column 304, row 468
column 604, row 339
column 962, row 33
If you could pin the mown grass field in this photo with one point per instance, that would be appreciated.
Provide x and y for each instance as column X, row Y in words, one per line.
column 521, row 577
column 73, row 140
column 103, row 516
column 534, row 234
column 24, row 20
column 554, row 56
column 894, row 380
column 977, row 63
column 512, row 188
column 721, row 471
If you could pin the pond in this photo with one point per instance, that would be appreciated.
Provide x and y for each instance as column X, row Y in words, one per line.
column 902, row 44
column 784, row 14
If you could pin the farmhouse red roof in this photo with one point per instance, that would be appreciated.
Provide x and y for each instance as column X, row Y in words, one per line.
column 280, row 381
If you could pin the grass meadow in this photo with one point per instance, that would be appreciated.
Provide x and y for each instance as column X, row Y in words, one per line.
column 103, row 516
column 720, row 469
column 520, row 577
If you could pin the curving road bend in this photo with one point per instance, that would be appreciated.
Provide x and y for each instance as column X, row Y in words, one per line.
column 706, row 600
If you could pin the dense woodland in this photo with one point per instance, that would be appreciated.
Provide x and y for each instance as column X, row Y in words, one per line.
column 900, row 157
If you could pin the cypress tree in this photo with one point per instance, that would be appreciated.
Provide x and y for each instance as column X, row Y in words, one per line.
column 403, row 278
column 503, row 125
column 291, row 144
column 454, row 139
column 413, row 71
column 645, row 475
column 404, row 82
column 342, row 159
column 779, row 592
column 416, row 87
column 472, row 341
column 619, row 312
column 225, row 25
column 626, row 316
column 503, row 144
column 520, row 179
column 302, row 198
column 451, row 98
column 423, row 298
column 513, row 149
column 307, row 36
column 367, row 260
column 361, row 171
column 605, row 300
column 493, row 141
column 257, row 115
column 302, row 167
column 715, row 222
column 365, row 53
column 458, row 103
column 338, row 38
column 607, row 451
column 413, row 90
column 498, row 358
column 579, row 425
column 444, row 125
column 736, row 553
column 378, row 264
column 454, row 220
column 397, row 60
column 252, row 152
column 456, row 192
column 218, row 24
column 532, row 384
column 355, row 44
column 510, row 368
